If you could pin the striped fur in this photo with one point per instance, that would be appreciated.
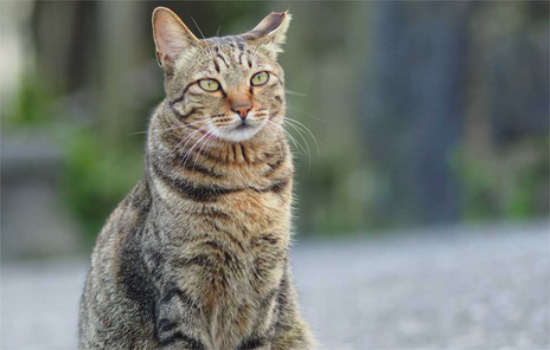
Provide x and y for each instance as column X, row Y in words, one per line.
column 196, row 256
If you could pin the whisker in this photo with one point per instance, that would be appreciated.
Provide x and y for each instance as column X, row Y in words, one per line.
column 278, row 143
column 196, row 25
column 305, row 129
column 209, row 132
column 303, row 138
column 305, row 113
column 297, row 144
column 188, row 137
column 188, row 153
column 299, row 94
column 214, row 136
column 208, row 49
column 220, row 25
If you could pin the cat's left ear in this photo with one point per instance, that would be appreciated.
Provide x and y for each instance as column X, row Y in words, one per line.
column 270, row 34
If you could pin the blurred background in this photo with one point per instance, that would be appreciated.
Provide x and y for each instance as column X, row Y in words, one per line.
column 424, row 113
column 431, row 119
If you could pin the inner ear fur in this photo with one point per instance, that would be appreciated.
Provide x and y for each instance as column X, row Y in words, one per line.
column 271, row 32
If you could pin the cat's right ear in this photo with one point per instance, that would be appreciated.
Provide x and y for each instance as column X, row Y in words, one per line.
column 171, row 36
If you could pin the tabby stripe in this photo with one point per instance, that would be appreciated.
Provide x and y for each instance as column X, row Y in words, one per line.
column 249, row 58
column 194, row 192
column 201, row 260
column 182, row 96
column 282, row 297
column 191, row 166
column 184, row 297
column 216, row 66
column 211, row 213
column 211, row 193
column 268, row 298
column 216, row 246
column 277, row 186
column 245, row 157
column 241, row 58
column 139, row 201
column 223, row 59
column 276, row 166
column 165, row 325
column 229, row 258
column 183, row 116
column 240, row 45
column 228, row 234
column 190, row 343
column 215, row 158
column 252, row 343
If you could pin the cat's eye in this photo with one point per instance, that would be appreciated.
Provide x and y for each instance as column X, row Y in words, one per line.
column 209, row 85
column 259, row 78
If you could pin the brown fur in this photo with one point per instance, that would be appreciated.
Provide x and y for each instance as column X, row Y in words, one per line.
column 196, row 257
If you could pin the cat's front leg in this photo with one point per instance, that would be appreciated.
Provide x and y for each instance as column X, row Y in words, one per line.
column 177, row 323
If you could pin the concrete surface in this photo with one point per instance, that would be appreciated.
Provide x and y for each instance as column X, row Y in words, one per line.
column 485, row 288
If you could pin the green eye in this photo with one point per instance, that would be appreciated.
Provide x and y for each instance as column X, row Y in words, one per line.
column 209, row 85
column 259, row 78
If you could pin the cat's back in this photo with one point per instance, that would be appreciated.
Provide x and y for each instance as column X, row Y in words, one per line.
column 128, row 218
column 114, row 259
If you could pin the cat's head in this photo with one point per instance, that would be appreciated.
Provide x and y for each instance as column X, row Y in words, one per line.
column 228, row 87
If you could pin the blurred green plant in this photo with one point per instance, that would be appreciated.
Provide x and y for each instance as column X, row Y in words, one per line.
column 32, row 103
column 98, row 179
column 479, row 200
column 512, row 183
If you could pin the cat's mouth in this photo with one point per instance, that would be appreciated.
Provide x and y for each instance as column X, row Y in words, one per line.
column 241, row 132
column 243, row 126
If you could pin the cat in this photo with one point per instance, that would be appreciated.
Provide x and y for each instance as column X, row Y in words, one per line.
column 196, row 256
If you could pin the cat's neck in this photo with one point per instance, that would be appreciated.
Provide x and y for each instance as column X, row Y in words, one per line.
column 202, row 159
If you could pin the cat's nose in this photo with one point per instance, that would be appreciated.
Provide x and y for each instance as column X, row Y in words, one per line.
column 242, row 109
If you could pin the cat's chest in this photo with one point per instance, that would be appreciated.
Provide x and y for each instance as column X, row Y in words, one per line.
column 241, row 241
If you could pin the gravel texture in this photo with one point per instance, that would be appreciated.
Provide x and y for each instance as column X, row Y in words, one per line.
column 484, row 288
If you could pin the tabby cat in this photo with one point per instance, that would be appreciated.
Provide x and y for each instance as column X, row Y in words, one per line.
column 196, row 257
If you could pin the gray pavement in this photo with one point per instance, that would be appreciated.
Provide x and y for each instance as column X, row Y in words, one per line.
column 484, row 288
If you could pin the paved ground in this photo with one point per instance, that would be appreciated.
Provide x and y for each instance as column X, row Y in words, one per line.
column 481, row 289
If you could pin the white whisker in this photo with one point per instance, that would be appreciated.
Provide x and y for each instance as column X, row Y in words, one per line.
column 297, row 144
column 303, row 138
column 305, row 113
column 299, row 94
column 188, row 153
column 188, row 137
column 301, row 126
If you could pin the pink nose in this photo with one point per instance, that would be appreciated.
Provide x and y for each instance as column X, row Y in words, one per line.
column 242, row 109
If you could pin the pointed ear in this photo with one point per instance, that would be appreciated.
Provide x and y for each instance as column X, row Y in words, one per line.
column 271, row 32
column 171, row 36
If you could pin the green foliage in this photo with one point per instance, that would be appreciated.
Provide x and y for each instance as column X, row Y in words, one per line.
column 334, row 196
column 479, row 200
column 32, row 104
column 510, row 184
column 521, row 204
column 97, row 178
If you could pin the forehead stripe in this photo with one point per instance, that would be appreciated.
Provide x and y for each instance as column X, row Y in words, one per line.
column 223, row 59
column 216, row 65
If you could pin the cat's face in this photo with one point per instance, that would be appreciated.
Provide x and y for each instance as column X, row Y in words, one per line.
column 229, row 88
